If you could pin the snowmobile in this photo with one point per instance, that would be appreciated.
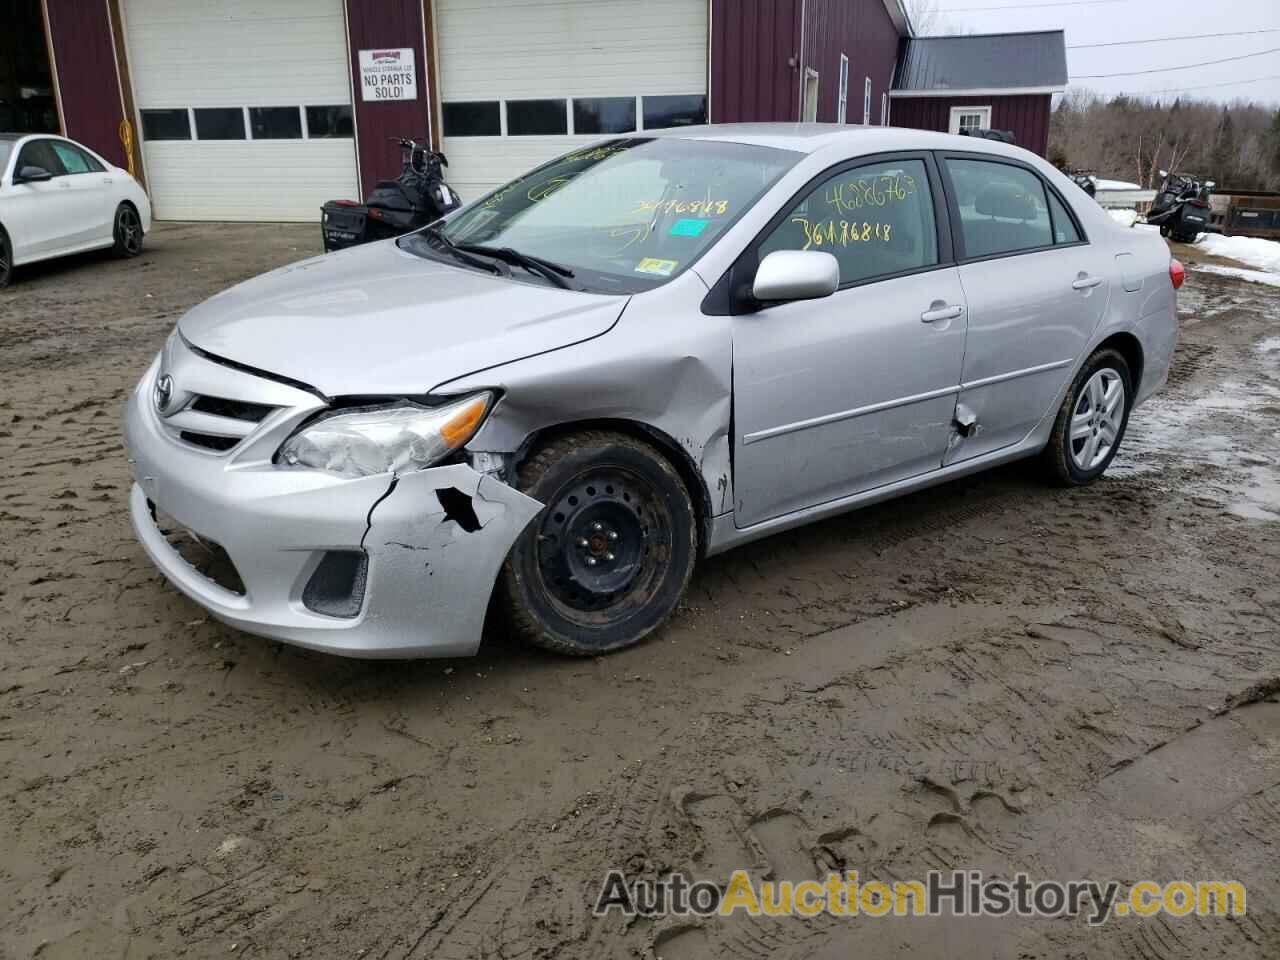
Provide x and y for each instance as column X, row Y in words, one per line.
column 419, row 196
column 1181, row 206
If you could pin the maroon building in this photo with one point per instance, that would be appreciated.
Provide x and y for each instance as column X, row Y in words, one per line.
column 264, row 109
column 1002, row 81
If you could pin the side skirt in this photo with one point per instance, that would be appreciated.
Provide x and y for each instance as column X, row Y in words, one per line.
column 726, row 536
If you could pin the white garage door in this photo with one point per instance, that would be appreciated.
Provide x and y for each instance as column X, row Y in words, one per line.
column 244, row 106
column 522, row 81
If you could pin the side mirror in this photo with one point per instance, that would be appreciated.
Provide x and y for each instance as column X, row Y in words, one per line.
column 32, row 175
column 796, row 275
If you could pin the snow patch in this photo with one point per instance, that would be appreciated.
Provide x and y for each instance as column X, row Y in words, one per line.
column 1263, row 254
column 1253, row 276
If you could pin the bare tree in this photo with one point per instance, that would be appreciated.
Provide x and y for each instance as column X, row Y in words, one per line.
column 927, row 20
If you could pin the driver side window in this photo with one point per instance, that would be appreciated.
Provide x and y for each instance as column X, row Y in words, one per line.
column 877, row 221
column 39, row 153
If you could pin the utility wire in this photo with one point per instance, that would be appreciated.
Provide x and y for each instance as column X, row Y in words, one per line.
column 1194, row 36
column 1203, row 86
column 1185, row 66
column 1029, row 6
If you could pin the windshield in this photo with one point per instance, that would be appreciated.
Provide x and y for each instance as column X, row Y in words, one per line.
column 625, row 215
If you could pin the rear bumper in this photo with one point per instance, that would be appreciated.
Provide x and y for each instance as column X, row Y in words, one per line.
column 427, row 580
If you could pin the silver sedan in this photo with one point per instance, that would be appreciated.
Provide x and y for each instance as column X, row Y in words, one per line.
column 644, row 352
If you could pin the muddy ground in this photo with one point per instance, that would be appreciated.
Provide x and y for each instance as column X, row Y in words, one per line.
column 993, row 674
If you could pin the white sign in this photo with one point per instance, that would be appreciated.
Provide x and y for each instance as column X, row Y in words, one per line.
column 388, row 75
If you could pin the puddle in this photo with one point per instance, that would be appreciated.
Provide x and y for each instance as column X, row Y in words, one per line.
column 1206, row 431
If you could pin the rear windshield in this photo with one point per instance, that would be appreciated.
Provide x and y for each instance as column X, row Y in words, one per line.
column 628, row 214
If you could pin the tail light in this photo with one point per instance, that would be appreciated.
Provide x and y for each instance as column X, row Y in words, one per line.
column 1177, row 273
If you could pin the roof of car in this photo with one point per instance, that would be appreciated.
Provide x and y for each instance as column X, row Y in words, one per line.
column 812, row 137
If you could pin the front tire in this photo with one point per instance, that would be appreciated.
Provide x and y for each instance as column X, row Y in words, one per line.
column 127, row 232
column 1091, row 421
column 608, row 559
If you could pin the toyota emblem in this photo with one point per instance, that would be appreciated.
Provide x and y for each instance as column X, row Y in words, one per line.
column 164, row 392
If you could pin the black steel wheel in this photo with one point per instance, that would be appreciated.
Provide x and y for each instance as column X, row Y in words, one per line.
column 128, row 231
column 6, row 260
column 608, row 559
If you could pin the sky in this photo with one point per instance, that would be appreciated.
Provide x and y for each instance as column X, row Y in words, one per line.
column 1107, row 21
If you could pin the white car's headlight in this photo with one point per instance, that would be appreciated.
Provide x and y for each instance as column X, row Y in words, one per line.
column 398, row 438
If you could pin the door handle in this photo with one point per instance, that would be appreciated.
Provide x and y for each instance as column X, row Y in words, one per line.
column 107, row 181
column 64, row 185
column 1086, row 283
column 942, row 313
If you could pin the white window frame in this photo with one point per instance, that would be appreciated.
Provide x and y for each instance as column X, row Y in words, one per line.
column 884, row 109
column 866, row 103
column 842, row 107
column 809, row 105
column 957, row 113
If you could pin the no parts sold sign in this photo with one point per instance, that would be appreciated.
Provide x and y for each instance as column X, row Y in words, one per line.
column 388, row 75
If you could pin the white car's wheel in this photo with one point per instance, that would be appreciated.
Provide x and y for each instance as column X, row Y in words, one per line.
column 6, row 260
column 128, row 231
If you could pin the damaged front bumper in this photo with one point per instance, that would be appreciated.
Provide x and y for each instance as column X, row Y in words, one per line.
column 378, row 566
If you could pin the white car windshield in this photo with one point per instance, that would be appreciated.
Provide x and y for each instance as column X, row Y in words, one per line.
column 625, row 215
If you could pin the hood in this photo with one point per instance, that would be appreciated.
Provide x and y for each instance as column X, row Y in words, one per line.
column 377, row 320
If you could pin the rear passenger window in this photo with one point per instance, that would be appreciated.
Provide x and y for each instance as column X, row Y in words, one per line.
column 876, row 220
column 1064, row 228
column 1003, row 208
column 75, row 160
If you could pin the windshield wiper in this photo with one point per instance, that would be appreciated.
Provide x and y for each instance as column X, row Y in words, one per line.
column 448, row 246
column 555, row 272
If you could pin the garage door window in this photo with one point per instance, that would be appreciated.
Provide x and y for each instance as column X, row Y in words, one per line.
column 472, row 118
column 166, row 124
column 876, row 220
column 604, row 115
column 324, row 123
column 534, row 118
column 684, row 111
column 219, row 123
column 275, row 123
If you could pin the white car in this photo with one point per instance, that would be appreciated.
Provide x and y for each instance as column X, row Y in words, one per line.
column 58, row 197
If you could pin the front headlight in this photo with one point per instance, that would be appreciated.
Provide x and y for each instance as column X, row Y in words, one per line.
column 397, row 438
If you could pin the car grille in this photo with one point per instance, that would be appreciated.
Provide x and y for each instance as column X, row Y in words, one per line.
column 217, row 424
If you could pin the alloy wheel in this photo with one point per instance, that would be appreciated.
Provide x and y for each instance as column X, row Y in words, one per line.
column 1097, row 419
column 129, row 229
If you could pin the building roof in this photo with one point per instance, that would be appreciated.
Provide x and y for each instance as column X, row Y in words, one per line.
column 900, row 16
column 993, row 63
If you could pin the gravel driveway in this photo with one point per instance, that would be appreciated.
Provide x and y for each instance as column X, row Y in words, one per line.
column 992, row 674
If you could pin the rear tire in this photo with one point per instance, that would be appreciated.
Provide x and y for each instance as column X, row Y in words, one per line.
column 127, row 232
column 1091, row 421
column 608, row 559
column 6, row 260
